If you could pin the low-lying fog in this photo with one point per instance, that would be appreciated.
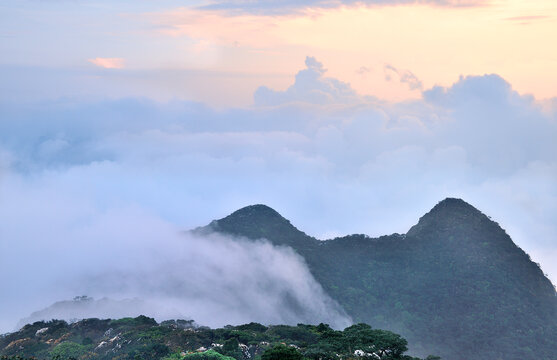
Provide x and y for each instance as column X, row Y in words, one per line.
column 150, row 268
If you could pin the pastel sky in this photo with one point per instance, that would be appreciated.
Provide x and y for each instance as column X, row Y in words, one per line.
column 232, row 47
column 344, row 116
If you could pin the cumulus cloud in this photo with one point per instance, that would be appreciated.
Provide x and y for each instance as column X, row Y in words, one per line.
column 311, row 87
column 108, row 63
column 492, row 121
column 113, row 181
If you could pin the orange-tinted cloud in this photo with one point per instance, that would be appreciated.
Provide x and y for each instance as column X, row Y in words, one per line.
column 218, row 26
column 435, row 43
column 108, row 63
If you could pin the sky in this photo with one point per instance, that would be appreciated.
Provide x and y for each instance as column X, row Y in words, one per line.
column 122, row 119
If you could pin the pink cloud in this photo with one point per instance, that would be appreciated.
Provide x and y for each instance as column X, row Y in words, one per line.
column 528, row 18
column 108, row 63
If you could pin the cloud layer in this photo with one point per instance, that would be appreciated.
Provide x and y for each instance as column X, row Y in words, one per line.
column 115, row 180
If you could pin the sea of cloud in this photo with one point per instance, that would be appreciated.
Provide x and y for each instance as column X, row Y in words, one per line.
column 89, row 186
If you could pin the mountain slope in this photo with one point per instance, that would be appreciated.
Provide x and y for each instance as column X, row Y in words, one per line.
column 455, row 282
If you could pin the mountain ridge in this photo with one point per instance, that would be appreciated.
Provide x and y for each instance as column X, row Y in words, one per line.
column 254, row 214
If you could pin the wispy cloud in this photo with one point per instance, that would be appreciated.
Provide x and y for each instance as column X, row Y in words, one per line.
column 108, row 63
column 274, row 7
column 403, row 76
column 526, row 20
column 217, row 26
column 363, row 70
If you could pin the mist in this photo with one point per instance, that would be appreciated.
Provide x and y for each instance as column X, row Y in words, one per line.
column 136, row 264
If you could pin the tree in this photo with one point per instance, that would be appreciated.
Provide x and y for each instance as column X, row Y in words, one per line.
column 231, row 347
column 281, row 352
column 207, row 355
column 384, row 344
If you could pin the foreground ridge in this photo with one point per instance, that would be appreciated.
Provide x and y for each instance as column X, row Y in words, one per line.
column 144, row 338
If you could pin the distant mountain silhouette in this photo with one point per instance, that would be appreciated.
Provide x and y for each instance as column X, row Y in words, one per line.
column 82, row 307
column 455, row 284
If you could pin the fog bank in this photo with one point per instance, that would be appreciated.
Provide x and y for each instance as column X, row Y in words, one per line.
column 146, row 266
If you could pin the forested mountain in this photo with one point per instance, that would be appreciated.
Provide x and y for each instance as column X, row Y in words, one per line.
column 454, row 285
column 455, row 282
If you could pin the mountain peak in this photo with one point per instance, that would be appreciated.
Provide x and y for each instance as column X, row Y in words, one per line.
column 261, row 221
column 451, row 213
column 454, row 203
column 454, row 208
column 258, row 211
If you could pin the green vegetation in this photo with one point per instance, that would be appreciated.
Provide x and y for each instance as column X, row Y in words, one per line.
column 455, row 282
column 281, row 352
column 69, row 349
column 206, row 355
column 142, row 338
